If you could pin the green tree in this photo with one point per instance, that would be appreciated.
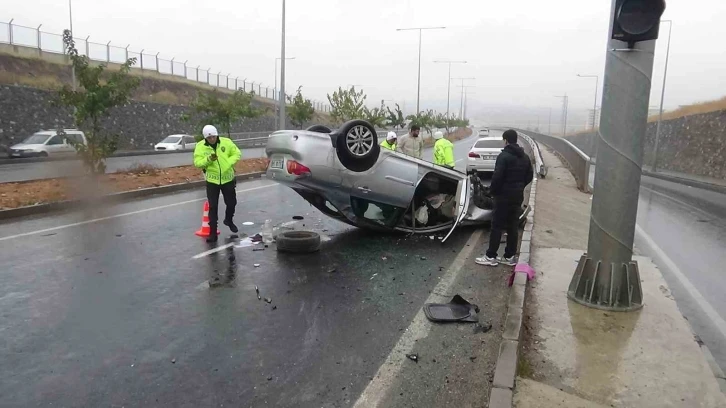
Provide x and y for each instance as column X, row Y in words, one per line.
column 222, row 112
column 97, row 94
column 424, row 119
column 376, row 116
column 301, row 110
column 347, row 104
column 395, row 118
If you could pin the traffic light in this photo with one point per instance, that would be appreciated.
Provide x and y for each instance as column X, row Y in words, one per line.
column 637, row 20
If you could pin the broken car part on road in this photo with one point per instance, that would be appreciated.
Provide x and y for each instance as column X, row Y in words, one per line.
column 457, row 310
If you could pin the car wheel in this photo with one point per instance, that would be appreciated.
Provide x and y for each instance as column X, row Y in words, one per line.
column 298, row 241
column 319, row 129
column 357, row 145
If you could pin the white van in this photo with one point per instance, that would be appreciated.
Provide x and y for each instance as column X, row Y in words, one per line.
column 48, row 143
column 176, row 142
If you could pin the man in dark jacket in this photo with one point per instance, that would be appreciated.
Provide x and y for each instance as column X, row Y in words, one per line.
column 512, row 173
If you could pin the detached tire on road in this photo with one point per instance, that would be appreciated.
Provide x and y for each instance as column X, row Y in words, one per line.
column 357, row 145
column 299, row 242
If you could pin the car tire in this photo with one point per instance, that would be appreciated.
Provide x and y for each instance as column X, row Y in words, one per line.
column 357, row 145
column 319, row 129
column 300, row 242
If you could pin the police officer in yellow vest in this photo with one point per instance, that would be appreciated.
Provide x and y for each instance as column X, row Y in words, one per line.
column 443, row 151
column 390, row 142
column 217, row 157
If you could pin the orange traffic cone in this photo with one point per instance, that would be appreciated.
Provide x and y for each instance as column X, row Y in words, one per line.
column 205, row 230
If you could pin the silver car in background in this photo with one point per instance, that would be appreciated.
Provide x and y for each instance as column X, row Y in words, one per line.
column 483, row 155
column 347, row 176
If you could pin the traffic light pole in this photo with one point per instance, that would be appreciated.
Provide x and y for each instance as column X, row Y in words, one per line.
column 606, row 276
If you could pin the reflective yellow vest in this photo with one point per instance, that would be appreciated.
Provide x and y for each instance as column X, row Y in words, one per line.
column 220, row 171
column 386, row 145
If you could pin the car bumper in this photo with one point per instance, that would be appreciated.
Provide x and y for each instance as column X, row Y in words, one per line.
column 16, row 154
column 481, row 165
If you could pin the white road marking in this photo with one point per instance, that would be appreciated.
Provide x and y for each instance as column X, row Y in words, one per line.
column 712, row 314
column 211, row 251
column 418, row 329
column 683, row 203
column 75, row 224
column 458, row 160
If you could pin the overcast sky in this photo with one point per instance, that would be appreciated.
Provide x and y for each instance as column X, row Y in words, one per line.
column 522, row 53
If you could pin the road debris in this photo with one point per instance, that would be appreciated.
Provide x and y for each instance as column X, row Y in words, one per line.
column 257, row 291
column 298, row 217
column 256, row 265
column 274, row 307
column 482, row 328
column 248, row 223
column 173, row 361
column 413, row 357
column 457, row 310
column 423, row 258
column 472, row 358
column 332, row 270
column 258, row 249
column 374, row 275
column 268, row 300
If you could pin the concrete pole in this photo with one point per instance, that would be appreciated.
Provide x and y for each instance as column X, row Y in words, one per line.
column 662, row 97
column 108, row 53
column 606, row 276
column 282, row 72
column 418, row 83
column 39, row 40
column 10, row 31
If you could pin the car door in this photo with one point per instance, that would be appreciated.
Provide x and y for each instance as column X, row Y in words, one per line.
column 190, row 142
column 54, row 145
column 462, row 204
column 391, row 181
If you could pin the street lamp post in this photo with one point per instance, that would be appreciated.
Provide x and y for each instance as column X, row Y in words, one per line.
column 662, row 96
column 70, row 17
column 278, row 59
column 282, row 72
column 418, row 87
column 594, row 106
column 448, row 85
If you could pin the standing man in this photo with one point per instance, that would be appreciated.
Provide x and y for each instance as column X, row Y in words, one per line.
column 443, row 151
column 390, row 142
column 411, row 144
column 216, row 157
column 512, row 173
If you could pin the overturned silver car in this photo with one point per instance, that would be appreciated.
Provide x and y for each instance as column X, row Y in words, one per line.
column 347, row 176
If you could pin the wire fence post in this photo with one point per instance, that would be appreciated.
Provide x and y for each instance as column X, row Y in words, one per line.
column 197, row 72
column 218, row 74
column 207, row 79
column 235, row 83
column 126, row 52
column 141, row 57
column 10, row 31
column 185, row 68
column 157, row 63
column 39, row 40
column 88, row 53
column 172, row 66
column 108, row 51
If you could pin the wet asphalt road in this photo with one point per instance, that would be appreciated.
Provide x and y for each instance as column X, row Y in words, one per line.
column 109, row 307
column 66, row 168
column 688, row 226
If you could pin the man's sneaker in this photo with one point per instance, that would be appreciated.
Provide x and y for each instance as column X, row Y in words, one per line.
column 486, row 261
column 231, row 226
column 511, row 261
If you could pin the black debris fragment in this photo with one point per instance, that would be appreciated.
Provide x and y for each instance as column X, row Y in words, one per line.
column 274, row 307
column 482, row 328
column 332, row 270
column 173, row 361
column 257, row 238
column 258, row 249
column 268, row 300
column 257, row 291
column 423, row 258
column 49, row 235
column 119, row 235
column 413, row 357
column 472, row 358
column 298, row 217
column 269, row 378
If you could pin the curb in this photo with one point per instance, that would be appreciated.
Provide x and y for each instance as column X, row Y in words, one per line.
column 505, row 373
column 116, row 197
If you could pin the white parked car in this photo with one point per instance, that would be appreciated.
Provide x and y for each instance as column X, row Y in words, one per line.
column 176, row 142
column 48, row 143
column 484, row 132
column 483, row 155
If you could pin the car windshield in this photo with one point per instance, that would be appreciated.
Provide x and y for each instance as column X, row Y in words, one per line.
column 37, row 138
column 489, row 144
column 171, row 139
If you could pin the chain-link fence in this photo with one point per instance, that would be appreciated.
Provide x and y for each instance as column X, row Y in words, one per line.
column 34, row 37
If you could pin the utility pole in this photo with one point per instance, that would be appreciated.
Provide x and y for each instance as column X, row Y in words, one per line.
column 662, row 96
column 563, row 113
column 418, row 86
column 594, row 105
column 283, row 115
column 277, row 59
column 607, row 277
column 461, row 104
column 448, row 87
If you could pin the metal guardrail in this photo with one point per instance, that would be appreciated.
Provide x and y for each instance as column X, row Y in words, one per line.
column 577, row 161
column 538, row 160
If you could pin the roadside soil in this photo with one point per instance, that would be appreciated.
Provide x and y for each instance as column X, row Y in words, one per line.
column 15, row 195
